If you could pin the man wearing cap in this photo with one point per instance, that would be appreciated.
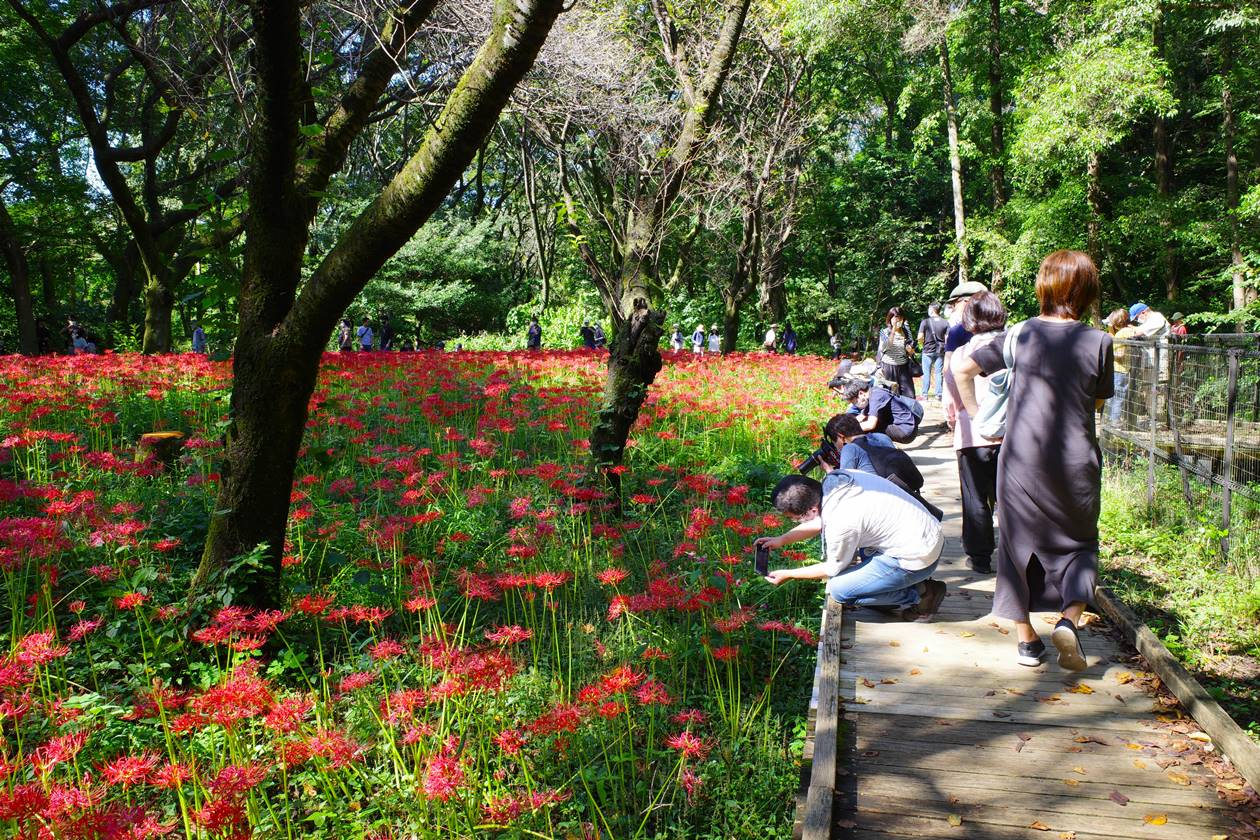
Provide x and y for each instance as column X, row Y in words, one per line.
column 1149, row 323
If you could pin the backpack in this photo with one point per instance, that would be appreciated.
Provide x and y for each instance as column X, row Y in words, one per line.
column 889, row 461
column 990, row 422
column 909, row 406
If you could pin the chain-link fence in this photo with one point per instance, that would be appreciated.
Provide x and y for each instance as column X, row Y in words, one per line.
column 1194, row 404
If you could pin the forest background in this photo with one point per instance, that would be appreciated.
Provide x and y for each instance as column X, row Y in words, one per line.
column 862, row 154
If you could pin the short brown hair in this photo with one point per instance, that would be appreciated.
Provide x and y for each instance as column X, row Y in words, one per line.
column 1067, row 283
column 1117, row 320
column 984, row 314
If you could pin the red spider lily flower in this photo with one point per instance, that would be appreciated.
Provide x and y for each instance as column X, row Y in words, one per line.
column 509, row 634
column 690, row 782
column 313, row 604
column 242, row 695
column 727, row 653
column 104, row 574
column 15, row 707
column 654, row 654
column 219, row 815
column 335, row 747
column 353, row 682
column 39, row 649
column 550, row 580
column 612, row 576
column 443, row 778
column 166, row 545
column 286, row 714
column 644, row 499
column 128, row 770
column 510, row 741
column 23, row 802
column 170, row 776
column 688, row 717
column 563, row 717
column 735, row 620
column 689, row 745
column 131, row 600
column 77, row 606
column 622, row 678
column 386, row 649
column 420, row 602
column 653, row 693
column 58, row 750
column 806, row 635
column 236, row 779
column 610, row 709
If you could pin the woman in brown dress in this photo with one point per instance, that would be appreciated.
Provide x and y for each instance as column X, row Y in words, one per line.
column 1050, row 467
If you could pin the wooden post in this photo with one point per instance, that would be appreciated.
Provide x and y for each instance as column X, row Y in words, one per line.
column 163, row 446
column 1176, row 359
column 1152, row 401
column 1231, row 409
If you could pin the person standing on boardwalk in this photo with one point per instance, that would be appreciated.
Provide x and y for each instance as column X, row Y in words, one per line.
column 896, row 346
column 365, row 334
column 533, row 335
column 715, row 339
column 879, row 546
column 1121, row 330
column 985, row 318
column 1050, row 466
column 932, row 331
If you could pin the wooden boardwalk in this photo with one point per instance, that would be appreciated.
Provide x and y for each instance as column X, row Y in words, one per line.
column 945, row 735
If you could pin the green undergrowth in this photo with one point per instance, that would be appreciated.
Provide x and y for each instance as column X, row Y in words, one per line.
column 1166, row 563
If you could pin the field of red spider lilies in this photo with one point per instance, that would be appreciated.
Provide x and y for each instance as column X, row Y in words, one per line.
column 476, row 645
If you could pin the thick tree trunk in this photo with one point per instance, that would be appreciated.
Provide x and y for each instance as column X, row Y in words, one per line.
column 997, row 169
column 281, row 334
column 159, row 302
column 20, row 279
column 730, row 326
column 633, row 362
column 1164, row 179
column 1242, row 296
column 955, row 164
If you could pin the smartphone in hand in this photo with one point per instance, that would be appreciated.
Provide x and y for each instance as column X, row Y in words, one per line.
column 762, row 561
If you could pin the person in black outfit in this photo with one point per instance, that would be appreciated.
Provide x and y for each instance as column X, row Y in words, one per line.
column 588, row 335
column 387, row 334
column 597, row 335
column 533, row 335
column 879, row 410
column 932, row 330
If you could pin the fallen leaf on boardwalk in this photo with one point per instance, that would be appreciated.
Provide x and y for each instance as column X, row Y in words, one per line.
column 1080, row 770
column 966, row 634
column 1051, row 698
column 1124, row 678
column 1016, row 691
column 888, row 681
column 1220, row 837
column 954, row 820
column 1134, row 746
column 1088, row 618
column 1004, row 631
column 1001, row 714
column 990, row 693
column 1075, row 749
column 845, row 823
column 1119, row 699
column 894, row 643
column 925, row 650
column 914, row 672
column 1139, row 764
column 1067, row 835
column 1118, row 798
column 1039, row 825
column 1155, row 819
column 1081, row 688
column 870, row 753
column 1165, row 763
column 953, row 800
column 1019, row 746
column 1179, row 778
column 1071, row 782
column 1091, row 739
column 866, row 682
column 1023, row 736
column 1049, row 619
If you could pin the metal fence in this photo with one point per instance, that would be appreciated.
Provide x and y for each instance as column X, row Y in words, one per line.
column 1194, row 404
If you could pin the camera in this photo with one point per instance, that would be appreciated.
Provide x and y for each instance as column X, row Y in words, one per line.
column 826, row 451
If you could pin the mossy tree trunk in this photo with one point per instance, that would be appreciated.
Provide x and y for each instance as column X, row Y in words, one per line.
column 20, row 282
column 282, row 333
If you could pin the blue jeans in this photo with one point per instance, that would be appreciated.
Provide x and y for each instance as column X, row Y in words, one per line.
column 1115, row 405
column 878, row 582
column 932, row 362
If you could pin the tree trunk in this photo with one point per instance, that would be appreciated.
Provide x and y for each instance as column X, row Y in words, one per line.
column 1242, row 295
column 634, row 357
column 281, row 334
column 1164, row 179
column 730, row 326
column 159, row 301
column 20, row 278
column 997, row 170
column 955, row 164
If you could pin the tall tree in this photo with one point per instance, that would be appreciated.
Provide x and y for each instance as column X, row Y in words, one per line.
column 285, row 321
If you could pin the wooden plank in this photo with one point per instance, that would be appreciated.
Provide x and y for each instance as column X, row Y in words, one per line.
column 1228, row 736
column 1045, row 716
column 876, row 725
column 816, row 820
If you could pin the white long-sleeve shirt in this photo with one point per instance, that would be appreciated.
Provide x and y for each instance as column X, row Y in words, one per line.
column 867, row 511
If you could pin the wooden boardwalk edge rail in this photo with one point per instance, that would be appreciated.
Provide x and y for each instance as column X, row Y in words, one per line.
column 822, row 742
column 1229, row 737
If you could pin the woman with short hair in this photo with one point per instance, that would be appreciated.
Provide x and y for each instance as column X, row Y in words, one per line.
column 896, row 348
column 1050, row 467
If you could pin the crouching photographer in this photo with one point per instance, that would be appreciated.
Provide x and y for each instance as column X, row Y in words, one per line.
column 876, row 453
column 879, row 546
column 880, row 410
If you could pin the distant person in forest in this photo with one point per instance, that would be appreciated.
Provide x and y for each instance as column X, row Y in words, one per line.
column 345, row 336
column 697, row 340
column 533, row 335
column 387, row 333
column 588, row 335
column 365, row 334
column 932, row 330
column 1121, row 331
column 789, row 340
column 1050, row 466
column 676, row 338
column 715, row 339
column 198, row 338
column 835, row 344
column 597, row 333
column 896, row 349
column 1178, row 325
column 771, row 340
column 43, row 337
column 1149, row 323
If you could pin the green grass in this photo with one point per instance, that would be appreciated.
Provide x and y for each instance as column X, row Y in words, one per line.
column 1166, row 563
